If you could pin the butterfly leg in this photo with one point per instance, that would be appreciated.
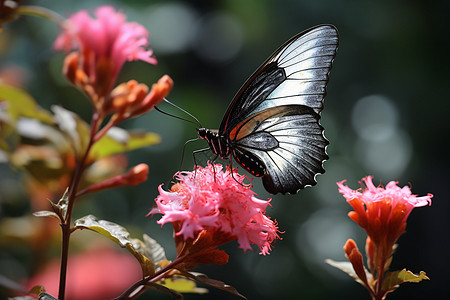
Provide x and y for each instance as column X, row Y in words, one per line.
column 184, row 148
column 212, row 162
column 195, row 160
column 232, row 173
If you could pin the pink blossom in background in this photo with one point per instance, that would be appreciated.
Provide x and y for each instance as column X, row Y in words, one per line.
column 211, row 199
column 104, row 44
column 98, row 273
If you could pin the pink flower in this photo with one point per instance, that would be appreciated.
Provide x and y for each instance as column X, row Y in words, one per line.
column 98, row 273
column 382, row 213
column 104, row 45
column 212, row 200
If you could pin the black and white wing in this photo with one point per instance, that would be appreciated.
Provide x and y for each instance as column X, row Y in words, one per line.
column 272, row 125
column 285, row 145
column 296, row 74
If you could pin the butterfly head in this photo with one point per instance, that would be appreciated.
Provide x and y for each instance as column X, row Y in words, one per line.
column 207, row 134
column 202, row 132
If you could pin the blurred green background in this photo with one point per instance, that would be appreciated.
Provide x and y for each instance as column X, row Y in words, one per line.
column 386, row 114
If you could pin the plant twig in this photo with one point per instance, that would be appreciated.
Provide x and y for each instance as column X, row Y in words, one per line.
column 41, row 12
column 66, row 225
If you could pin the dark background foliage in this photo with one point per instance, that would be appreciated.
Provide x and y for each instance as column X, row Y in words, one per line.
column 385, row 114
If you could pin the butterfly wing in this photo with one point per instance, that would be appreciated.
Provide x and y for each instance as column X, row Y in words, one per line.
column 285, row 145
column 273, row 121
column 297, row 73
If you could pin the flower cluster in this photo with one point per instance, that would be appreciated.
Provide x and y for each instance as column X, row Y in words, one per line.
column 104, row 44
column 100, row 48
column 382, row 213
column 210, row 200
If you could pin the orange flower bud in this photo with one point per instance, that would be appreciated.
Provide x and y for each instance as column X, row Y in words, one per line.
column 135, row 176
column 132, row 99
column 70, row 67
column 355, row 257
column 159, row 91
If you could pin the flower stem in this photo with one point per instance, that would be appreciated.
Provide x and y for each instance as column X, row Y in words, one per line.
column 66, row 223
column 64, row 258
column 156, row 277
column 379, row 294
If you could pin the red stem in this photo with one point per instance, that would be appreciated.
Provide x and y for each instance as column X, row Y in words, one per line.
column 105, row 129
column 157, row 276
column 66, row 223
column 379, row 293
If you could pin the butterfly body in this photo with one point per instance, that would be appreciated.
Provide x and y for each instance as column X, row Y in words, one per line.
column 218, row 145
column 271, row 127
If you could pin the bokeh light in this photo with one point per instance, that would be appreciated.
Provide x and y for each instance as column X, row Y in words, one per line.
column 382, row 146
column 173, row 19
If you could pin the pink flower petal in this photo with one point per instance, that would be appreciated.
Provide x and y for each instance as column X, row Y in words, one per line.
column 211, row 198
column 107, row 38
column 382, row 212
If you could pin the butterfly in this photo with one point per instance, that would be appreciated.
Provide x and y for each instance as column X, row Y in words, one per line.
column 271, row 127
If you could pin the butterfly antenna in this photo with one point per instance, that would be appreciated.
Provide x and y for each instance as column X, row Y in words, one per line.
column 197, row 122
column 176, row 117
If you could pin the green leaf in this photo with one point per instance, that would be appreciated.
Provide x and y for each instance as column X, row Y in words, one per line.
column 202, row 278
column 37, row 289
column 347, row 267
column 45, row 213
column 160, row 288
column 154, row 251
column 21, row 104
column 119, row 140
column 120, row 236
column 15, row 103
column 111, row 230
column 147, row 266
column 77, row 129
column 183, row 285
column 393, row 279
